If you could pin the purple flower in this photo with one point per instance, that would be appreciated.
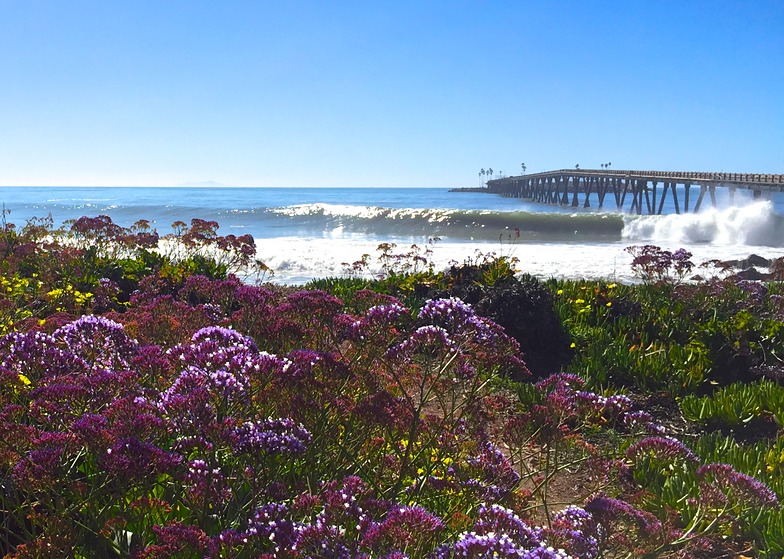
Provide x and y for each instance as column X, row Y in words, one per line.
column 206, row 485
column 425, row 339
column 272, row 526
column 577, row 530
column 403, row 528
column 501, row 546
column 99, row 341
column 460, row 321
column 721, row 480
column 641, row 418
column 660, row 447
column 607, row 510
column 495, row 476
column 272, row 436
column 225, row 337
column 377, row 320
column 497, row 519
column 179, row 540
column 132, row 459
column 452, row 314
column 36, row 355
column 560, row 382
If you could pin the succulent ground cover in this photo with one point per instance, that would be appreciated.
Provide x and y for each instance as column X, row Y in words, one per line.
column 154, row 405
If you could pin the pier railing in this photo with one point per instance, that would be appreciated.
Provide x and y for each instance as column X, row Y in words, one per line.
column 564, row 186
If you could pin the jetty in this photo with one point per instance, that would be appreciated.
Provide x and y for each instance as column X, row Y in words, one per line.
column 643, row 191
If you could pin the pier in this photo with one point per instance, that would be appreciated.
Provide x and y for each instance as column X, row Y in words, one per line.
column 643, row 191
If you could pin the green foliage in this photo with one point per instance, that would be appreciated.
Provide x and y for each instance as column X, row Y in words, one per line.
column 737, row 405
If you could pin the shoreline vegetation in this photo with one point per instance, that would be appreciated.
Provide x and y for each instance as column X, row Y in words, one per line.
column 155, row 404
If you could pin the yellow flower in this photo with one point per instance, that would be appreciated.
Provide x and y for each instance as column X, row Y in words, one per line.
column 559, row 292
column 579, row 301
column 609, row 304
column 26, row 381
column 573, row 345
column 612, row 286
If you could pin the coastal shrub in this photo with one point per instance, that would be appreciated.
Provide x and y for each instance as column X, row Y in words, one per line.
column 522, row 305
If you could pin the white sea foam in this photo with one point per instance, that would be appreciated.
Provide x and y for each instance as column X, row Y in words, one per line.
column 296, row 260
column 754, row 224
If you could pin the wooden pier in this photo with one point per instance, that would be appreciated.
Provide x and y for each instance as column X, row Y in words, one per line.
column 599, row 188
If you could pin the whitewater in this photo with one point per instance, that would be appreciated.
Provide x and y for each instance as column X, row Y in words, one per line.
column 306, row 233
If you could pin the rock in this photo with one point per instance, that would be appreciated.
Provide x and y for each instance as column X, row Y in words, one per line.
column 751, row 274
column 755, row 261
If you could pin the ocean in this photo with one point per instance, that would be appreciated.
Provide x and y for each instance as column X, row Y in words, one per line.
column 306, row 233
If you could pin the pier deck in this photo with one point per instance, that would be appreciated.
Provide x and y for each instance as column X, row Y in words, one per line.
column 640, row 188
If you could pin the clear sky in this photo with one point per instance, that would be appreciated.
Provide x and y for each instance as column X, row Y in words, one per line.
column 376, row 93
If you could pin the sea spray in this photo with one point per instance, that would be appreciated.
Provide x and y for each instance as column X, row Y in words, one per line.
column 754, row 224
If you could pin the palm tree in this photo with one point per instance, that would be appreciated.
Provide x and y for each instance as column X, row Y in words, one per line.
column 577, row 166
column 490, row 172
column 481, row 174
column 523, row 167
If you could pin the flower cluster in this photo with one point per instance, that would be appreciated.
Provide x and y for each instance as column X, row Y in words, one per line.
column 606, row 510
column 652, row 263
column 660, row 447
column 499, row 532
column 722, row 482
column 272, row 436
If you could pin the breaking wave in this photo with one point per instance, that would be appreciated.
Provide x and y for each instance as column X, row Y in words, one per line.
column 446, row 223
column 755, row 225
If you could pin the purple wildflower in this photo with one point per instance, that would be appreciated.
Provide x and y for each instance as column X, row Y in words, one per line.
column 377, row 319
column 560, row 382
column 460, row 321
column 643, row 419
column 130, row 458
column 36, row 355
column 721, row 480
column 607, row 510
column 272, row 436
column 225, row 337
column 496, row 477
column 206, row 485
column 577, row 530
column 404, row 527
column 99, row 341
column 497, row 519
column 176, row 540
column 425, row 339
column 452, row 314
column 271, row 523
column 660, row 447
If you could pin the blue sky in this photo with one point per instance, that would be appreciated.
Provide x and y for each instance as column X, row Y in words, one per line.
column 375, row 93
